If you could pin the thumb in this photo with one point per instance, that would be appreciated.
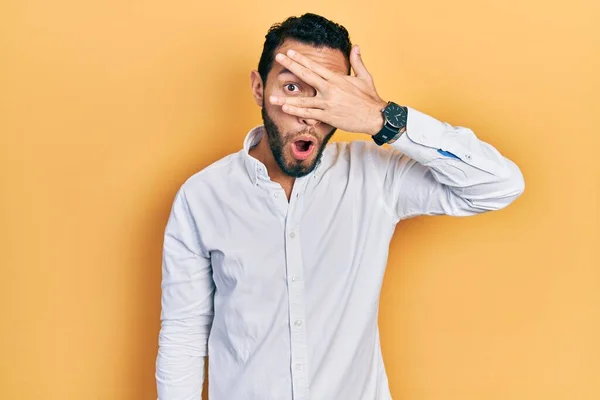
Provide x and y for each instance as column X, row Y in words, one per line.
column 360, row 71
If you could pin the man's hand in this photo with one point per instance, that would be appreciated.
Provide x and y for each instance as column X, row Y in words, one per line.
column 350, row 103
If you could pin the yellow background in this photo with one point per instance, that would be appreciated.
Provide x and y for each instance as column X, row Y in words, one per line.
column 106, row 107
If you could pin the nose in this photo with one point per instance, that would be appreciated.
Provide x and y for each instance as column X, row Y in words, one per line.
column 309, row 121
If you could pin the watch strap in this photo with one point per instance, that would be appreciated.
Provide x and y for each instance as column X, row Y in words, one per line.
column 385, row 135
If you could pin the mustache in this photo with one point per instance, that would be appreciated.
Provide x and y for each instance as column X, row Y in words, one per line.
column 309, row 132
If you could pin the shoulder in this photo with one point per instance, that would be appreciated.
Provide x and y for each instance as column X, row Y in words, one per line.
column 215, row 174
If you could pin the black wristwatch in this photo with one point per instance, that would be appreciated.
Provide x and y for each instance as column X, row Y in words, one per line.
column 395, row 117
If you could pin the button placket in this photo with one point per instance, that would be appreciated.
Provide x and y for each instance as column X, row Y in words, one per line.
column 296, row 299
column 277, row 197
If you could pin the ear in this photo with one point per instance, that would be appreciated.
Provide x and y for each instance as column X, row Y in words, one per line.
column 257, row 87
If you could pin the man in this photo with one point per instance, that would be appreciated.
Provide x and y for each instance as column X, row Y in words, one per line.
column 274, row 256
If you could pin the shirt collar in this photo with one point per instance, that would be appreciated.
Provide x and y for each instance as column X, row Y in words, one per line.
column 254, row 167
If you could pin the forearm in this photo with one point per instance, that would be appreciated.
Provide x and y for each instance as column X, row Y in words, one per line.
column 179, row 377
column 443, row 169
column 181, row 358
column 473, row 169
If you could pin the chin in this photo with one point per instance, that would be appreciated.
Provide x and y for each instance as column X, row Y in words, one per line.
column 299, row 168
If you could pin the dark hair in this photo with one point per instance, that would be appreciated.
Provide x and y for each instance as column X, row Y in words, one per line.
column 309, row 29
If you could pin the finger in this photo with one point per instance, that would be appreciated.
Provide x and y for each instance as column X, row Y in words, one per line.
column 303, row 73
column 360, row 71
column 312, row 113
column 304, row 102
column 314, row 66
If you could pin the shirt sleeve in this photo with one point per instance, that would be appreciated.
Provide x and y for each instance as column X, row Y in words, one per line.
column 435, row 168
column 187, row 308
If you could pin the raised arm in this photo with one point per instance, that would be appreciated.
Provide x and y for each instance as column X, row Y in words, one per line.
column 435, row 168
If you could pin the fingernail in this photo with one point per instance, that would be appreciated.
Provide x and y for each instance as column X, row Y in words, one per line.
column 279, row 57
column 291, row 53
column 273, row 99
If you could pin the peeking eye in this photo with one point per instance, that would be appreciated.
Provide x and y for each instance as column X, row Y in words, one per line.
column 292, row 87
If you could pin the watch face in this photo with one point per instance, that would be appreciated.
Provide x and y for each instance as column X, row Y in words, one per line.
column 395, row 115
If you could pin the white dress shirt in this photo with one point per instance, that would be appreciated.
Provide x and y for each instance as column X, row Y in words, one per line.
column 283, row 296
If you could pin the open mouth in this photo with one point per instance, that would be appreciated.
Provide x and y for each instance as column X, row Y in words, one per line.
column 302, row 148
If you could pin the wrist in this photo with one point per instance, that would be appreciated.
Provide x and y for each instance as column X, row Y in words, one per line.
column 400, row 132
column 395, row 119
column 377, row 120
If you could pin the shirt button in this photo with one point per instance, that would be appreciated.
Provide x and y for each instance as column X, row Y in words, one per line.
column 277, row 194
column 292, row 235
column 295, row 279
column 468, row 156
column 298, row 323
column 298, row 367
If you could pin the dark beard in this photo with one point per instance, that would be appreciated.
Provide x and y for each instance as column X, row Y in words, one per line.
column 276, row 143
